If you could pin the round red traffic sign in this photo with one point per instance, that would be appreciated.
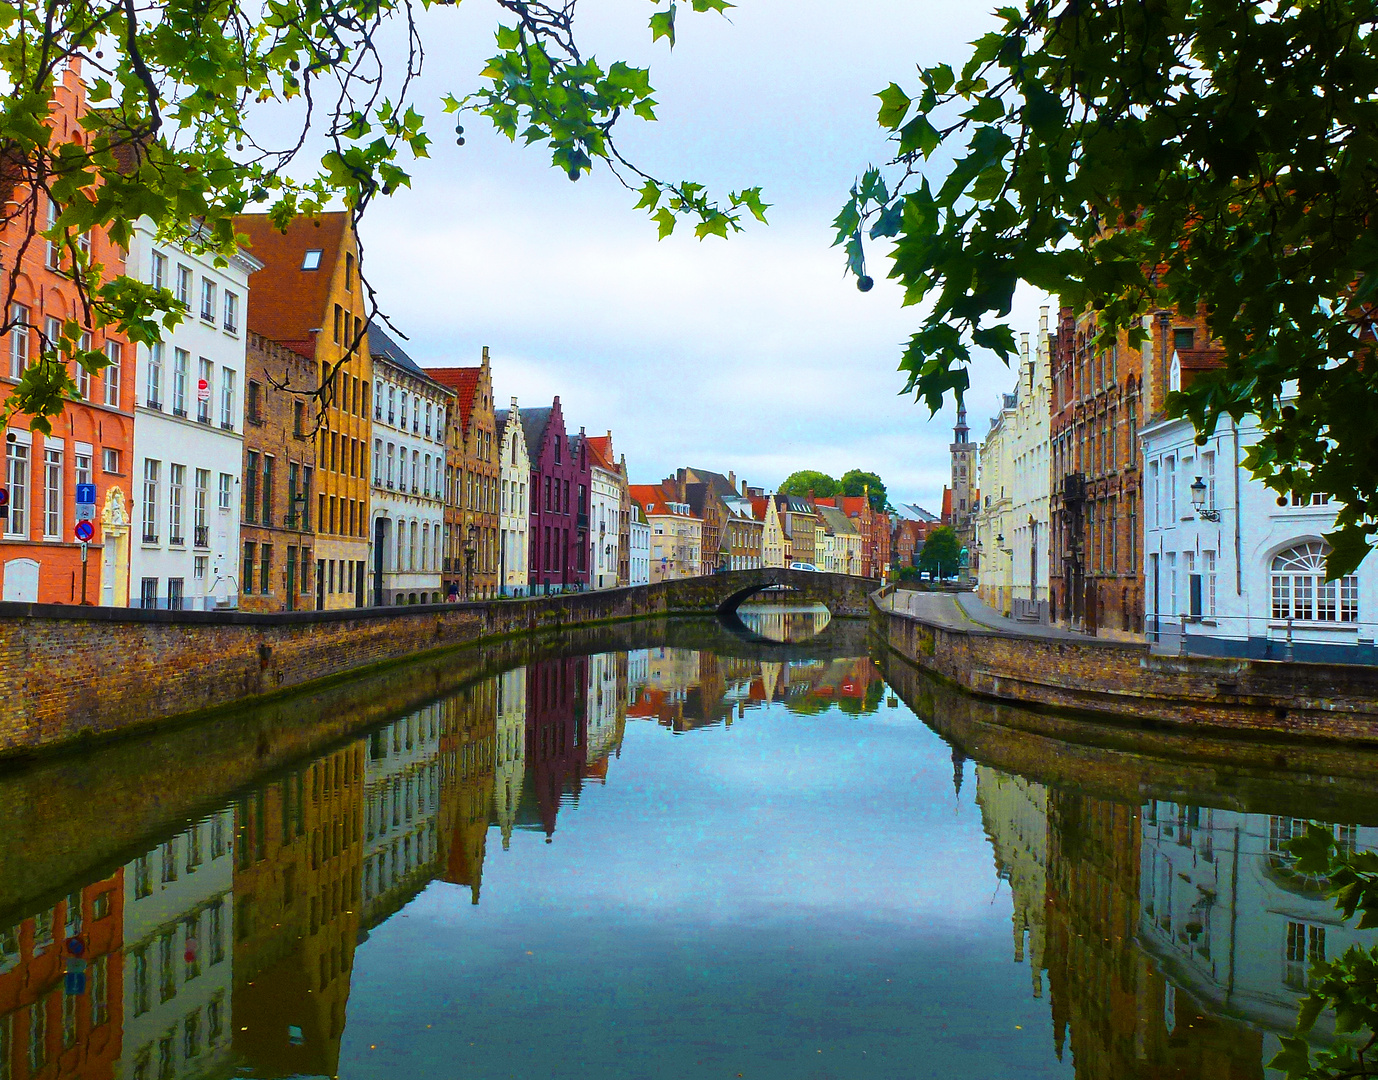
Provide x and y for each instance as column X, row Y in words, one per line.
column 203, row 390
column 85, row 530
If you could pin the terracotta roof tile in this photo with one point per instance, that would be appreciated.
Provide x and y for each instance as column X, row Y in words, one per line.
column 286, row 302
column 464, row 382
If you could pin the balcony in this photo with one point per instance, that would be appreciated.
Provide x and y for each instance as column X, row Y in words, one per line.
column 150, row 537
column 176, row 540
column 1074, row 488
column 179, row 412
column 227, row 425
column 154, row 403
column 203, row 418
column 583, row 521
column 201, row 536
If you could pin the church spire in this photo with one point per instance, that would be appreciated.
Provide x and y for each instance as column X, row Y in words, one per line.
column 961, row 433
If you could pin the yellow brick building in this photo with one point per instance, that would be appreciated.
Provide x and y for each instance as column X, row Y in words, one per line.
column 309, row 298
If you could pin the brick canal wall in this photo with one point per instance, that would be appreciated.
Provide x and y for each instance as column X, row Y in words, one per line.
column 69, row 673
column 1125, row 681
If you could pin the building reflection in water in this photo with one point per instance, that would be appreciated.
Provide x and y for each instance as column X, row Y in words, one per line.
column 1176, row 940
column 1167, row 940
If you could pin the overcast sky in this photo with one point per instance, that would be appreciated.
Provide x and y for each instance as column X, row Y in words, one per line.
column 754, row 354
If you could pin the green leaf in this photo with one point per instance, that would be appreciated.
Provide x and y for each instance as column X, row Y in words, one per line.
column 894, row 104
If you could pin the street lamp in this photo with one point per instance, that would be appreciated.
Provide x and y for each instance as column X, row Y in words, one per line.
column 470, row 550
column 295, row 514
column 1198, row 500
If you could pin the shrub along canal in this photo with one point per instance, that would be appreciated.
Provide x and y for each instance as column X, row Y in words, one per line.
column 665, row 850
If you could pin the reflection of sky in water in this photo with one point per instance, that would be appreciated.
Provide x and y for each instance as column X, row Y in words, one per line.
column 733, row 902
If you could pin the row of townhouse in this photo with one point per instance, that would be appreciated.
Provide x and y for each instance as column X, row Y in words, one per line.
column 1100, row 513
column 704, row 522
column 279, row 450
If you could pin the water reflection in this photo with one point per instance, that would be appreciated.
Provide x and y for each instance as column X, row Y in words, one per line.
column 797, row 876
column 784, row 622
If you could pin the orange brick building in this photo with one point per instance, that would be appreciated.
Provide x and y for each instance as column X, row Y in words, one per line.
column 92, row 440
column 44, row 1031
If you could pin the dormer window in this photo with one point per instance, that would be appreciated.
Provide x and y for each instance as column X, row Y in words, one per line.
column 311, row 260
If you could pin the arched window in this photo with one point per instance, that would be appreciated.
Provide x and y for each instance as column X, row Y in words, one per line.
column 1300, row 590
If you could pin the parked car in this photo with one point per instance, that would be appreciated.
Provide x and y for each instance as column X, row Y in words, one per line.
column 804, row 566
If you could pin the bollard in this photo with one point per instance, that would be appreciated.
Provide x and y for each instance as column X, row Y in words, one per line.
column 1288, row 653
column 1182, row 641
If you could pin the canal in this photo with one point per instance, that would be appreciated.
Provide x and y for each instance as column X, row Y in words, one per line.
column 665, row 850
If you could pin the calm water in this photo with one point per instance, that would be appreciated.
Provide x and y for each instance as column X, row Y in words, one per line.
column 750, row 861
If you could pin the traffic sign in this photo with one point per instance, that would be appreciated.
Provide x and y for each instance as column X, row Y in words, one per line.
column 4, row 497
column 86, row 493
column 85, row 530
column 203, row 390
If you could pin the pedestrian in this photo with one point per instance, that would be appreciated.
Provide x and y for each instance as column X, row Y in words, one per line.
column 453, row 596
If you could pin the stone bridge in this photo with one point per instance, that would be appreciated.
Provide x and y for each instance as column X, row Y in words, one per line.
column 843, row 594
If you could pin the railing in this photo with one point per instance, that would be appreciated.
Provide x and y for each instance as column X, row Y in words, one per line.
column 154, row 403
column 179, row 412
column 203, row 418
column 175, row 540
column 201, row 536
column 227, row 425
column 1074, row 488
column 150, row 538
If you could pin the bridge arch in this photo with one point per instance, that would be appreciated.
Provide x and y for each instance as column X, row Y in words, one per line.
column 844, row 595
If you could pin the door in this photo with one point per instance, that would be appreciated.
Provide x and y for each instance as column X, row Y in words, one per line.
column 21, row 581
column 380, row 537
column 357, row 569
column 291, row 579
column 320, row 584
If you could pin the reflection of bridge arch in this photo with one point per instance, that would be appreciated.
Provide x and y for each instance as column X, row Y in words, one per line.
column 843, row 594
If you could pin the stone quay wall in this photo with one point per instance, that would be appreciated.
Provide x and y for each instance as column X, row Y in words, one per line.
column 1125, row 682
column 69, row 674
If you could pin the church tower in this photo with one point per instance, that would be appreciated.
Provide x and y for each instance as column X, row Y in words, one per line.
column 964, row 491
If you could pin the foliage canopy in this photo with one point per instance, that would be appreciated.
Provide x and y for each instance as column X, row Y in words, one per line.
column 941, row 552
column 803, row 481
column 184, row 94
column 1144, row 157
column 856, row 482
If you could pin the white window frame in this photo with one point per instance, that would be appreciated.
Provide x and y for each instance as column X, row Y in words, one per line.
column 149, row 520
column 176, row 497
column 153, row 389
column 114, row 352
column 52, row 489
column 208, row 301
column 181, row 368
column 19, row 340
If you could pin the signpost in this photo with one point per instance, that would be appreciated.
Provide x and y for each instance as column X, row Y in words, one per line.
column 84, row 531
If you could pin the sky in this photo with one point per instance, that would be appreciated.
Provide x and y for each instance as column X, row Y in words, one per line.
column 755, row 354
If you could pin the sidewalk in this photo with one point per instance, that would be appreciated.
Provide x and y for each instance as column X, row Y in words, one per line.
column 962, row 611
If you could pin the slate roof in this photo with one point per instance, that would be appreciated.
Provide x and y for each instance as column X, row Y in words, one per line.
column 286, row 302
column 837, row 521
column 381, row 344
column 534, row 423
column 717, row 481
column 500, row 417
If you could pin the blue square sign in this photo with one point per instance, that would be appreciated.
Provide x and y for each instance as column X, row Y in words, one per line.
column 86, row 493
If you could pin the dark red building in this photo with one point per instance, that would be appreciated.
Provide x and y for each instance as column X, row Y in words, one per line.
column 556, row 731
column 559, row 501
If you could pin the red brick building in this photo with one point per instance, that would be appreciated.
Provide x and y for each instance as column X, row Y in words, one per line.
column 1100, row 400
column 92, row 441
column 874, row 528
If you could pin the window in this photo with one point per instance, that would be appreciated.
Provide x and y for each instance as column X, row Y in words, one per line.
column 82, row 463
column 1172, row 608
column 148, row 592
column 1300, row 590
column 1305, row 946
column 19, row 340
column 110, row 461
column 175, row 591
column 227, row 378
column 208, row 300
column 226, row 490
column 339, row 324
column 378, row 400
column 200, row 565
column 311, row 260
column 113, row 352
column 253, row 403
column 231, row 312
column 246, row 582
column 158, row 271
column 377, row 461
column 251, row 488
column 1183, row 338
column 53, row 255
column 180, row 363
column 1315, row 499
column 267, row 490
column 1170, row 483
column 52, row 492
column 349, row 272
column 403, row 416
column 153, row 392
column 203, row 390
column 83, row 375
column 1208, row 477
column 176, row 484
column 151, row 471
column 265, row 573
column 306, row 498
column 184, row 286
column 1208, row 583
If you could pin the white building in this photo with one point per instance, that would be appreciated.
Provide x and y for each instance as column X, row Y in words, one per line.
column 1245, row 572
column 1014, row 516
column 408, row 497
column 514, row 547
column 639, row 540
column 606, row 708
column 605, row 519
column 403, row 849
column 509, row 771
column 1229, row 920
column 189, row 431
column 178, row 954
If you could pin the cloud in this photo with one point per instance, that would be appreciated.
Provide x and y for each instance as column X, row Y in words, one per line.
column 754, row 354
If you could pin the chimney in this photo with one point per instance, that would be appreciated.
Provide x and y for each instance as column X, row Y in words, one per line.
column 746, row 491
column 514, row 404
column 485, row 354
column 731, row 479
